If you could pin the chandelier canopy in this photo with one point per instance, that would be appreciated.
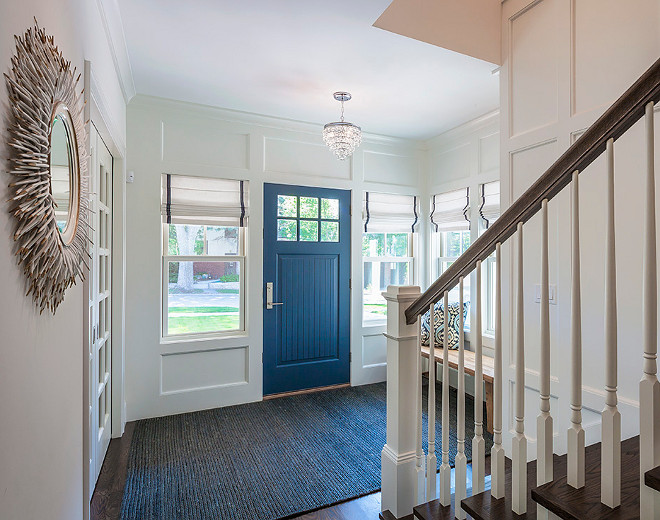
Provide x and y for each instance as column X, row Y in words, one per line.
column 341, row 136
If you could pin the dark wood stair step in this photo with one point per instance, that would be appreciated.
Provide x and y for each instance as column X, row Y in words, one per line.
column 388, row 515
column 652, row 478
column 484, row 507
column 576, row 504
column 434, row 510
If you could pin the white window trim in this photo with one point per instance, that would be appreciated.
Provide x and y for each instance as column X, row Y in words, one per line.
column 412, row 266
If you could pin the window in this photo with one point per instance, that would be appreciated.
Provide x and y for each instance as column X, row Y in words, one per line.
column 203, row 255
column 450, row 220
column 387, row 249
column 489, row 211
column 307, row 219
column 387, row 260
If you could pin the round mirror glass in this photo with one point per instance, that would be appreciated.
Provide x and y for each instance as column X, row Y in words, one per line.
column 63, row 173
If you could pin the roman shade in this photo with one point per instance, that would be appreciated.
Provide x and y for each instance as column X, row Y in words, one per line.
column 385, row 212
column 450, row 211
column 204, row 201
column 490, row 202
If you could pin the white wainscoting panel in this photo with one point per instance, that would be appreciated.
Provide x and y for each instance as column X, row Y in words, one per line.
column 211, row 145
column 489, row 153
column 203, row 369
column 534, row 64
column 389, row 168
column 612, row 47
column 451, row 164
column 293, row 156
column 374, row 350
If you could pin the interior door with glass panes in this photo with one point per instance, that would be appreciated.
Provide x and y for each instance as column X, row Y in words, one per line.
column 100, row 314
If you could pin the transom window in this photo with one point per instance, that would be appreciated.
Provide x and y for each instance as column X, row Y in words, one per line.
column 307, row 219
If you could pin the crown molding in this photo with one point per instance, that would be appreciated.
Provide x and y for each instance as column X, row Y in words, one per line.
column 114, row 32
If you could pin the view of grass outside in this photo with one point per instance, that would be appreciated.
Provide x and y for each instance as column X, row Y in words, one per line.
column 386, row 261
column 203, row 295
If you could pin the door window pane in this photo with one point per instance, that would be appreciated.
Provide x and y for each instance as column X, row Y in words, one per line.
column 287, row 230
column 203, row 297
column 330, row 209
column 287, row 206
column 329, row 231
column 309, row 207
column 309, row 231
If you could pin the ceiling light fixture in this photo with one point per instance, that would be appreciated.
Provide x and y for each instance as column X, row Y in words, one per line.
column 342, row 137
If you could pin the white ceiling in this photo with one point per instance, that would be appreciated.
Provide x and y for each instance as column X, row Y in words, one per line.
column 285, row 58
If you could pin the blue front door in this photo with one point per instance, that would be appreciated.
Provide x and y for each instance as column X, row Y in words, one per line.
column 306, row 287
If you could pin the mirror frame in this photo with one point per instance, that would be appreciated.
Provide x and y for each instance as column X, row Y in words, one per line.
column 42, row 86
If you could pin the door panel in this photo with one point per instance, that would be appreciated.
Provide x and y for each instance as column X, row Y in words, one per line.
column 307, row 259
column 100, row 317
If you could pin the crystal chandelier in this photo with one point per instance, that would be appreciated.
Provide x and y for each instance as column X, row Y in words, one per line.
column 342, row 137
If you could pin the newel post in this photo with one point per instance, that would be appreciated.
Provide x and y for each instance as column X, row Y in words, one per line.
column 398, row 458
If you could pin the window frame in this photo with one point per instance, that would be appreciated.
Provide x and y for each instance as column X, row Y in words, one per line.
column 410, row 260
column 166, row 259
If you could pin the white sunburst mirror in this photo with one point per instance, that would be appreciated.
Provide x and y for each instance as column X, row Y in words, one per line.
column 49, row 165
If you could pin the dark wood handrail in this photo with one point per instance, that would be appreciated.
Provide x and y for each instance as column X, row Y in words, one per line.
column 624, row 113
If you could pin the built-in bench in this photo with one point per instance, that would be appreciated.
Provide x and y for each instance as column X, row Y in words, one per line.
column 488, row 369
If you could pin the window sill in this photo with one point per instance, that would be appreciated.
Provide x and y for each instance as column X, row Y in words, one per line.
column 215, row 336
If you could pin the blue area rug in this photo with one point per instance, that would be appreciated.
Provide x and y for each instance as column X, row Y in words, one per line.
column 268, row 460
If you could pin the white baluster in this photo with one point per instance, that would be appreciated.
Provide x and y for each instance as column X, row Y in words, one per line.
column 649, row 388
column 431, row 460
column 519, row 441
column 445, row 468
column 497, row 452
column 610, row 480
column 575, row 470
column 544, row 419
column 460, row 462
column 478, row 442
column 420, row 492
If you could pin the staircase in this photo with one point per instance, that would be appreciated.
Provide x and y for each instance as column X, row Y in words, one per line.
column 613, row 479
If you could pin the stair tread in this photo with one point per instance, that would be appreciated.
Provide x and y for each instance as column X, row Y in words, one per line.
column 484, row 507
column 584, row 503
column 434, row 510
column 652, row 478
column 388, row 515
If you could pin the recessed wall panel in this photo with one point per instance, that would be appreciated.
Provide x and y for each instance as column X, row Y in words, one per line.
column 451, row 164
column 303, row 158
column 533, row 80
column 374, row 350
column 489, row 153
column 200, row 370
column 528, row 164
column 612, row 46
column 389, row 168
column 203, row 142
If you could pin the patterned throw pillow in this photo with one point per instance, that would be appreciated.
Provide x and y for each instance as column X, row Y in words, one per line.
column 454, row 320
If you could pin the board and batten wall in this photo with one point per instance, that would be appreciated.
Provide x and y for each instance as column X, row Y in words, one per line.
column 42, row 356
column 565, row 62
column 178, row 375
